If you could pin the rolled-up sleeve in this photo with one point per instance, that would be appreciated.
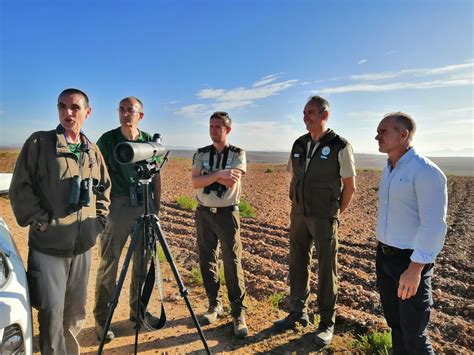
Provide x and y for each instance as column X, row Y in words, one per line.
column 432, row 198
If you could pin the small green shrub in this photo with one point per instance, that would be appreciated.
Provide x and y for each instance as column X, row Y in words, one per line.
column 317, row 319
column 160, row 254
column 186, row 202
column 276, row 299
column 196, row 276
column 374, row 342
column 270, row 169
column 221, row 274
column 246, row 209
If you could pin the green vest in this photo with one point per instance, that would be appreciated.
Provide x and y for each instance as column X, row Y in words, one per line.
column 317, row 191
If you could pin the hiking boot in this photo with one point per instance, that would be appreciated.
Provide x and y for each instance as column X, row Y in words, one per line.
column 324, row 334
column 99, row 330
column 289, row 322
column 212, row 313
column 240, row 327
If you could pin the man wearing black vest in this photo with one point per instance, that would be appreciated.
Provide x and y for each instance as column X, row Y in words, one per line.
column 322, row 186
column 216, row 174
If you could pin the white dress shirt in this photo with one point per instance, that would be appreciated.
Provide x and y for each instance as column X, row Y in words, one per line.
column 412, row 207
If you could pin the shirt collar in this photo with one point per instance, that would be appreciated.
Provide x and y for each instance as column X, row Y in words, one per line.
column 403, row 159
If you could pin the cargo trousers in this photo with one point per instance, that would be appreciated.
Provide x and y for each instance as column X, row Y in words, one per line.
column 112, row 240
column 221, row 227
column 58, row 290
column 305, row 234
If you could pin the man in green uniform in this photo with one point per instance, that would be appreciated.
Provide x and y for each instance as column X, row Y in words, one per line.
column 217, row 170
column 126, row 206
column 322, row 186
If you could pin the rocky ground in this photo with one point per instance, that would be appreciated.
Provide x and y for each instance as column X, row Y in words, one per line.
column 265, row 260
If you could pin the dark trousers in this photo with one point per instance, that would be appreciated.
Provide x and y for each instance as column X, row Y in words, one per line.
column 224, row 228
column 305, row 233
column 408, row 318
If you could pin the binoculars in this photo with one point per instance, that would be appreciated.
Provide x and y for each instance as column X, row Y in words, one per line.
column 81, row 192
column 218, row 188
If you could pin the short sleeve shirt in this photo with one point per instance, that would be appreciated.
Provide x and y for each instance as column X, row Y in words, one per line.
column 236, row 159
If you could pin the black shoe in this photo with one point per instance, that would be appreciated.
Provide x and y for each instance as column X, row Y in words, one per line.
column 289, row 322
column 99, row 330
column 324, row 334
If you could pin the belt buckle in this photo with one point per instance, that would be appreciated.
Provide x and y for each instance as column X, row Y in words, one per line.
column 213, row 209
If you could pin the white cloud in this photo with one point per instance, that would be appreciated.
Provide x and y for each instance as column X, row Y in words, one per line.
column 237, row 97
column 368, row 87
column 390, row 52
column 460, row 110
column 266, row 80
column 210, row 93
column 196, row 110
column 247, row 94
column 415, row 72
column 362, row 61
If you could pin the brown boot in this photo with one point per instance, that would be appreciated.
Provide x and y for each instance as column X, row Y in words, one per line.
column 240, row 327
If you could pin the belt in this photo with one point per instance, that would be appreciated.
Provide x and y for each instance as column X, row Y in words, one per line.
column 389, row 250
column 218, row 209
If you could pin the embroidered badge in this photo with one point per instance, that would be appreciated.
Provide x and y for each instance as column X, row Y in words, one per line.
column 326, row 150
column 296, row 155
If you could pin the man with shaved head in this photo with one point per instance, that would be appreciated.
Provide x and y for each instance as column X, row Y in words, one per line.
column 47, row 194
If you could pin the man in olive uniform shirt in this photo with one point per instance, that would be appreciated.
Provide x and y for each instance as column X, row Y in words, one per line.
column 216, row 174
column 322, row 186
column 124, row 209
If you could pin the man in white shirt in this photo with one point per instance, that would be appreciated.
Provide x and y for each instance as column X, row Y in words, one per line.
column 411, row 227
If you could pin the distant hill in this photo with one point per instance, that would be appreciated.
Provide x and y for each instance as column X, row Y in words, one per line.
column 450, row 165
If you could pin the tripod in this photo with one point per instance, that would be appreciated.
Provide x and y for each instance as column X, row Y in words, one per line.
column 148, row 228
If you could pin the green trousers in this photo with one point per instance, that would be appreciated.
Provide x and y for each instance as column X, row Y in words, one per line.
column 224, row 228
column 305, row 234
column 111, row 243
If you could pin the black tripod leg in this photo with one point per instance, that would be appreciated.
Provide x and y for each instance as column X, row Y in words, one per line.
column 138, row 227
column 182, row 289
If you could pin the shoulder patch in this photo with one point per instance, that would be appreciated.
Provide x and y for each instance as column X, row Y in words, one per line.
column 205, row 149
column 233, row 148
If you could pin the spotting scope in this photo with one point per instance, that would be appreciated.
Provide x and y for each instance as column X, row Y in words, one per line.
column 133, row 152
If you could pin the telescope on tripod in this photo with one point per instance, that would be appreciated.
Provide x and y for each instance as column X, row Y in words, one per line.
column 148, row 230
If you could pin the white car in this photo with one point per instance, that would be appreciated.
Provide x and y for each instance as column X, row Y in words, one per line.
column 15, row 311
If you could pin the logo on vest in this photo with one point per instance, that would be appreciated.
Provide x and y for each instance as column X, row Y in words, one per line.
column 325, row 152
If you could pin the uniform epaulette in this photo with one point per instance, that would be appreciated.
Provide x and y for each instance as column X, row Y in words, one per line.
column 233, row 148
column 205, row 149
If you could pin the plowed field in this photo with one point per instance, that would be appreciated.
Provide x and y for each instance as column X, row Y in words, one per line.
column 265, row 260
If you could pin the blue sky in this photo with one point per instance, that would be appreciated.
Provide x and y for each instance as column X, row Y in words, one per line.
column 258, row 60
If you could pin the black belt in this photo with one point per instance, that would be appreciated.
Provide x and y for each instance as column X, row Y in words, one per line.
column 389, row 250
column 218, row 209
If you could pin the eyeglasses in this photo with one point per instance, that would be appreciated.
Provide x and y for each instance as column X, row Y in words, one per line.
column 129, row 111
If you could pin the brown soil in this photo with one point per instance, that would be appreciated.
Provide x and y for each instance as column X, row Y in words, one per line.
column 265, row 261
